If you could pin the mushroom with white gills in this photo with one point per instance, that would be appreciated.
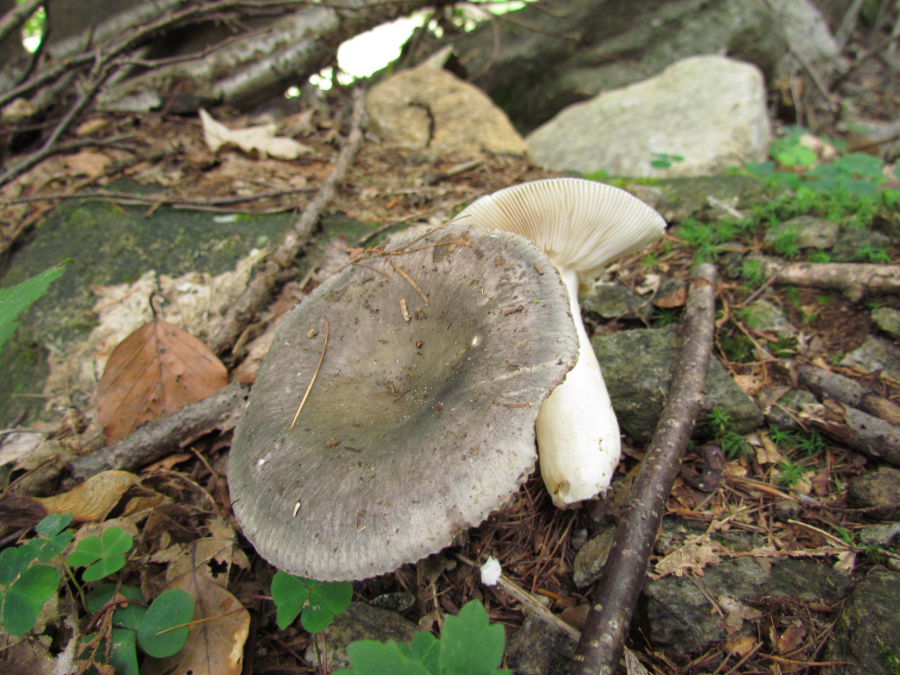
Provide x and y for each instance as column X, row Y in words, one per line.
column 420, row 420
column 582, row 225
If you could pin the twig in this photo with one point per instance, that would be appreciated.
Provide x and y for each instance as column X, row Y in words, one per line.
column 312, row 380
column 244, row 309
column 613, row 602
column 156, row 439
column 529, row 603
column 156, row 199
column 17, row 16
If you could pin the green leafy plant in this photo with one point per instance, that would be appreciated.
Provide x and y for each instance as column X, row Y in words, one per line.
column 26, row 583
column 160, row 630
column 16, row 299
column 664, row 160
column 316, row 602
column 30, row 575
column 469, row 645
column 103, row 555
column 731, row 441
column 790, row 473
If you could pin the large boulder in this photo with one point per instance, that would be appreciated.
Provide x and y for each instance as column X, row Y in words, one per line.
column 699, row 116
column 429, row 108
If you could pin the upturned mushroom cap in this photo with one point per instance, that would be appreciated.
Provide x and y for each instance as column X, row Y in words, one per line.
column 581, row 224
column 421, row 419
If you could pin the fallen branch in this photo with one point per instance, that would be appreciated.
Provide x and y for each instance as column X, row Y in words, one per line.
column 865, row 433
column 241, row 313
column 613, row 602
column 826, row 383
column 853, row 278
column 161, row 437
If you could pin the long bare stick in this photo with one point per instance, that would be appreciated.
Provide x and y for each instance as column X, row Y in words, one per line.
column 614, row 599
column 244, row 309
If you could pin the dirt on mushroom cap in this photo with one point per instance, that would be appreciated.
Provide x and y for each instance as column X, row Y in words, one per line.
column 421, row 420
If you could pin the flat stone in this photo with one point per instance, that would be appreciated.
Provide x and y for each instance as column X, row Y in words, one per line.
column 680, row 615
column 361, row 621
column 710, row 111
column 540, row 649
column 888, row 320
column 866, row 637
column 767, row 317
column 613, row 300
column 807, row 232
column 637, row 368
column 429, row 108
column 875, row 354
column 878, row 492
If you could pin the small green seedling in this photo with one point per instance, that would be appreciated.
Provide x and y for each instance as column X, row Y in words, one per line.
column 469, row 645
column 16, row 299
column 103, row 555
column 161, row 630
column 316, row 602
column 664, row 160
column 25, row 584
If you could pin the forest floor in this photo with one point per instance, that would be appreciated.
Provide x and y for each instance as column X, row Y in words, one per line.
column 390, row 188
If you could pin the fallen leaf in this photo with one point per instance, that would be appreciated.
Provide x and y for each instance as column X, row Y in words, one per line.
column 86, row 163
column 221, row 624
column 94, row 498
column 155, row 371
column 672, row 300
column 736, row 613
column 696, row 553
column 741, row 645
column 248, row 139
column 791, row 638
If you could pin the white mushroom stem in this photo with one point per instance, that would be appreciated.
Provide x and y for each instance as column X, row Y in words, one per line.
column 577, row 432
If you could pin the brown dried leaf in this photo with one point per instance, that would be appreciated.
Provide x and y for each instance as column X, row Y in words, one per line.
column 155, row 371
column 696, row 553
column 86, row 163
column 94, row 498
column 221, row 623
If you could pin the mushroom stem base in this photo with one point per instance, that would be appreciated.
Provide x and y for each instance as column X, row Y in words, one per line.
column 577, row 432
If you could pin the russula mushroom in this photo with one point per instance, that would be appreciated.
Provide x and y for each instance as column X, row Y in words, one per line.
column 582, row 225
column 420, row 420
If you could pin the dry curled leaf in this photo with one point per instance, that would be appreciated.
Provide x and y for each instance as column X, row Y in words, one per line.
column 155, row 371
column 94, row 498
column 248, row 139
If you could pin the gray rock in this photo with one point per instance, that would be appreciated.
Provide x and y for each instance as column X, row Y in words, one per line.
column 853, row 243
column 762, row 315
column 708, row 110
column 429, row 108
column 680, row 615
column 637, row 367
column 795, row 399
column 878, row 493
column 867, row 633
column 888, row 320
column 361, row 622
column 875, row 354
column 592, row 556
column 525, row 66
column 883, row 535
column 807, row 32
column 807, row 232
column 539, row 649
column 613, row 300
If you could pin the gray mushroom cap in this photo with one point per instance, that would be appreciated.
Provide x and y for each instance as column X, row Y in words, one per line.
column 420, row 422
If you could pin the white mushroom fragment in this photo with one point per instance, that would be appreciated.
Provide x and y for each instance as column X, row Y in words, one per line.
column 420, row 421
column 582, row 225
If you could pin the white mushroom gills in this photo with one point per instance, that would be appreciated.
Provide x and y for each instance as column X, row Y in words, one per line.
column 582, row 225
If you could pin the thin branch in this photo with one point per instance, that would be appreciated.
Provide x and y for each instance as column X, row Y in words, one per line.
column 161, row 437
column 241, row 313
column 613, row 602
column 17, row 16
